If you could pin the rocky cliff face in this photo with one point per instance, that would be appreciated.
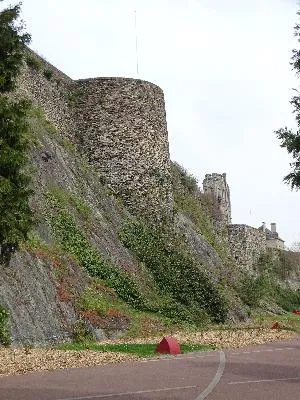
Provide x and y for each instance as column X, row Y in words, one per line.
column 43, row 286
column 32, row 288
column 81, row 272
column 30, row 291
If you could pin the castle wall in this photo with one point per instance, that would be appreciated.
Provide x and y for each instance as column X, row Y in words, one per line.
column 53, row 93
column 216, row 185
column 119, row 124
column 122, row 128
column 246, row 244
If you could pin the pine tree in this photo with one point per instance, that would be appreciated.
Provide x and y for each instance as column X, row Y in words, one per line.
column 12, row 45
column 15, row 214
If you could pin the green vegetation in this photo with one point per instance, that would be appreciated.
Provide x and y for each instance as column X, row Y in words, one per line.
column 281, row 264
column 74, row 242
column 199, row 207
column 253, row 290
column 73, row 97
column 140, row 350
column 16, row 216
column 38, row 119
column 72, row 202
column 48, row 73
column 174, row 294
column 182, row 176
column 175, row 273
column 289, row 139
column 102, row 302
column 12, row 46
column 4, row 333
column 287, row 321
column 34, row 62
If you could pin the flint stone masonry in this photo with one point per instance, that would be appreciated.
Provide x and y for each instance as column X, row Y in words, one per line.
column 118, row 123
column 52, row 95
column 216, row 185
column 122, row 128
column 246, row 244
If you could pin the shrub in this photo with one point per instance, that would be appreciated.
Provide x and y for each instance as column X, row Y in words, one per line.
column 265, row 287
column 33, row 62
column 253, row 289
column 80, row 332
column 48, row 73
column 4, row 333
column 187, row 180
column 73, row 96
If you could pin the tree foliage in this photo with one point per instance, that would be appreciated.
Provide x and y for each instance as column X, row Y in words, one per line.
column 12, row 43
column 16, row 216
column 289, row 139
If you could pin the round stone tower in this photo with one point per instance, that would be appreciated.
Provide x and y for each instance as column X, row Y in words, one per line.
column 123, row 130
column 216, row 185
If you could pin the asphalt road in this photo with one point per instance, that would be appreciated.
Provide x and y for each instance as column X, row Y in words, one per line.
column 255, row 373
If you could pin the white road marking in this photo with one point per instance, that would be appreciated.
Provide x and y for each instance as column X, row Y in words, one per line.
column 103, row 396
column 216, row 379
column 264, row 380
column 261, row 351
column 177, row 358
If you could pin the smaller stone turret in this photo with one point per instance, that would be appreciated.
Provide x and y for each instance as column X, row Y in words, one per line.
column 216, row 185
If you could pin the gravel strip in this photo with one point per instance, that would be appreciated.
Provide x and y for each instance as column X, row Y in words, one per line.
column 20, row 361
column 15, row 361
column 222, row 339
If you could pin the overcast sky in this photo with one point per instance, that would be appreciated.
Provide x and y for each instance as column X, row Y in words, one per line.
column 224, row 69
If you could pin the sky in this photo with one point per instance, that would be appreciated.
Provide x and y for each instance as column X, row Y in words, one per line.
column 224, row 69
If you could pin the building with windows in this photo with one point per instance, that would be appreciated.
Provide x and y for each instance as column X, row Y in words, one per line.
column 272, row 238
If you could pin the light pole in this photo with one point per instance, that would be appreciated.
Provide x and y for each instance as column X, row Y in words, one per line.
column 136, row 43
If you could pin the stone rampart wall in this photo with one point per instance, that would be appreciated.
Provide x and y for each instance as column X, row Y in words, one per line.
column 49, row 89
column 122, row 128
column 246, row 244
column 119, row 123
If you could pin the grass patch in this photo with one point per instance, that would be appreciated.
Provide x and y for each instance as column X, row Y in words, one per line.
column 73, row 202
column 287, row 321
column 102, row 302
column 140, row 350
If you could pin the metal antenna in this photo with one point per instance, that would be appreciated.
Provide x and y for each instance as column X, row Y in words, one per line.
column 136, row 43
